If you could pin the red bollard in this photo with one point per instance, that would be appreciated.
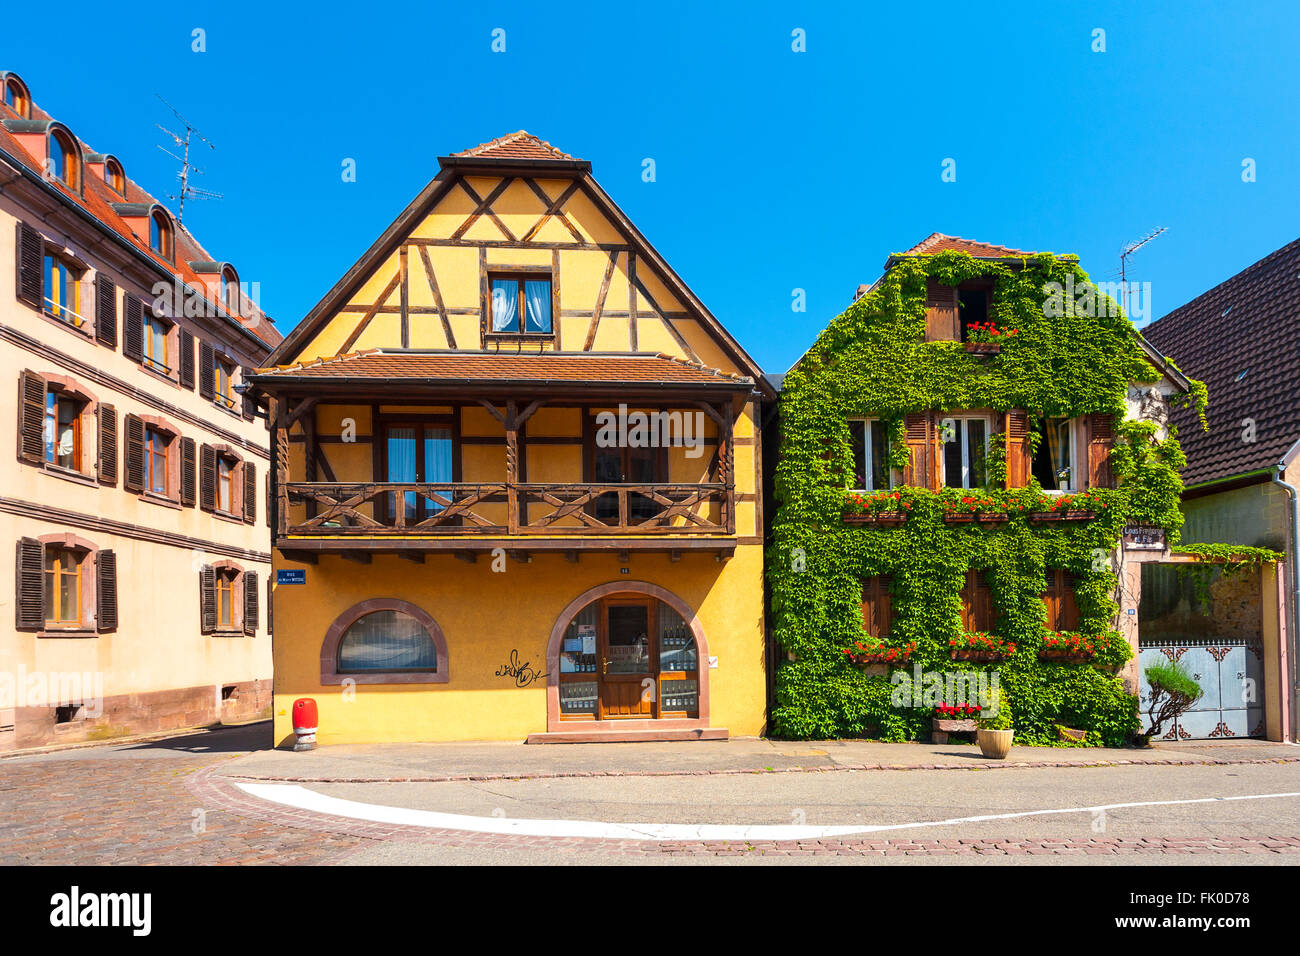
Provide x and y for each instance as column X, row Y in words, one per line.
column 305, row 723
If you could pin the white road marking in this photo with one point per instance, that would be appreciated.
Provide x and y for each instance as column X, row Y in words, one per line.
column 292, row 795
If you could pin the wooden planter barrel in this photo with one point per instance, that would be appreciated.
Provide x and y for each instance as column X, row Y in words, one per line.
column 995, row 744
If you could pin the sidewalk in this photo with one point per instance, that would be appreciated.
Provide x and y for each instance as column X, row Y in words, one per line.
column 388, row 763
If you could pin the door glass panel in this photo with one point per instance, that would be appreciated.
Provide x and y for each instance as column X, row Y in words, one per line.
column 629, row 639
column 401, row 466
column 437, row 461
column 976, row 474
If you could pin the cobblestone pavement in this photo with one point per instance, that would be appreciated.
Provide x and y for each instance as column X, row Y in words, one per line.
column 167, row 803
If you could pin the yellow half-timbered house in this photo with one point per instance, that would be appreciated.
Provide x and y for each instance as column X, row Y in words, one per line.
column 518, row 474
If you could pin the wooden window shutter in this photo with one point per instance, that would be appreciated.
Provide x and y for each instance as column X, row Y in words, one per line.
column 186, row 367
column 940, row 312
column 1101, row 436
column 250, row 491
column 207, row 477
column 106, row 434
column 250, row 603
column 1062, row 609
column 105, row 591
column 207, row 599
column 133, row 328
column 876, row 608
column 977, row 603
column 31, row 267
column 30, row 601
column 105, row 311
column 1019, row 463
column 133, row 453
column 189, row 475
column 207, row 376
column 31, row 417
column 247, row 405
column 919, row 427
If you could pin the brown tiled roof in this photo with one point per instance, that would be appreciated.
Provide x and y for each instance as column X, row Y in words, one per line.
column 454, row 367
column 520, row 145
column 938, row 242
column 97, row 198
column 1249, row 324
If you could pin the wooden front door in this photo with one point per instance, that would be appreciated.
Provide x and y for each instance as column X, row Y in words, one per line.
column 628, row 659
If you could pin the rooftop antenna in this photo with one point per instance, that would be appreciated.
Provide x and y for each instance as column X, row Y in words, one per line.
column 1127, row 251
column 186, row 191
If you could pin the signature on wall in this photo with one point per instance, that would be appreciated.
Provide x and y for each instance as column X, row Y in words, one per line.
column 522, row 673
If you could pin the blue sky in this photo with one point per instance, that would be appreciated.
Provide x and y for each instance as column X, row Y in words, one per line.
column 776, row 170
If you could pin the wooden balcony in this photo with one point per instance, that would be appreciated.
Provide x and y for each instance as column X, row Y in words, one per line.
column 475, row 516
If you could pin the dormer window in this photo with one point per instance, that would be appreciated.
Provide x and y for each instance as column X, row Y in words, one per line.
column 230, row 290
column 520, row 305
column 160, row 233
column 64, row 163
column 114, row 176
column 17, row 98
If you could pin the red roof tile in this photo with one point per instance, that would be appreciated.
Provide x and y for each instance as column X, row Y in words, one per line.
column 1242, row 339
column 565, row 367
column 520, row 145
column 938, row 242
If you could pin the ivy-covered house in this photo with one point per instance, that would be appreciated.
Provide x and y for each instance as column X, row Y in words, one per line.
column 975, row 459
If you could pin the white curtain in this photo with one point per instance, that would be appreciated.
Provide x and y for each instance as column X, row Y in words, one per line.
column 505, row 305
column 387, row 641
column 538, row 296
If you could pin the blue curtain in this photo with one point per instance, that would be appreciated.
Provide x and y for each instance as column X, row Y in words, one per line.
column 505, row 305
column 538, row 296
column 401, row 464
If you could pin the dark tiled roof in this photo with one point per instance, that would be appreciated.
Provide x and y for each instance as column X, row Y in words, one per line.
column 648, row 368
column 99, row 199
column 520, row 145
column 1249, row 324
column 938, row 242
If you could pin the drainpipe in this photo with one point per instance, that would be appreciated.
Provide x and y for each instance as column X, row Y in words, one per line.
column 1293, row 567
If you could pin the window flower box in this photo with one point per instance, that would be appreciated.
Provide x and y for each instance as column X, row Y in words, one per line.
column 879, row 660
column 983, row 348
column 980, row 646
column 953, row 719
column 986, row 338
column 1069, row 515
column 881, row 518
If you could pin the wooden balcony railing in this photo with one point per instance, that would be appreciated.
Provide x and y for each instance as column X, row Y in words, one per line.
column 485, row 508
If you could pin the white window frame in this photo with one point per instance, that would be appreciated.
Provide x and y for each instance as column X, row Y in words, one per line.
column 962, row 433
column 1073, row 426
column 867, row 456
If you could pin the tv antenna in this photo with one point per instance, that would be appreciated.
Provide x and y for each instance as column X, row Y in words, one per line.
column 187, row 168
column 1127, row 251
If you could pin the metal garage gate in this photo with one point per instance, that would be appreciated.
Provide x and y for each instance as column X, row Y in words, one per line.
column 1230, row 672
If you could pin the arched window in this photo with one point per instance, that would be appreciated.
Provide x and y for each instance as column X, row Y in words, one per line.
column 230, row 290
column 160, row 233
column 384, row 641
column 389, row 642
column 65, row 159
column 114, row 176
column 16, row 97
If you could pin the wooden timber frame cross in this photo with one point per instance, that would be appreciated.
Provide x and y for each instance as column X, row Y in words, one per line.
column 511, row 421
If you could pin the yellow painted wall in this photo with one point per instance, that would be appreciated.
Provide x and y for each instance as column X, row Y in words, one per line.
column 484, row 615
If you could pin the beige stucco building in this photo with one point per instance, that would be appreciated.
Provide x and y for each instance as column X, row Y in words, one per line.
column 133, row 507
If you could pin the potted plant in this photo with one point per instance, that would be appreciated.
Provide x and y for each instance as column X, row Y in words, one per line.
column 994, row 732
column 1173, row 692
column 879, row 659
column 980, row 646
column 986, row 338
column 881, row 508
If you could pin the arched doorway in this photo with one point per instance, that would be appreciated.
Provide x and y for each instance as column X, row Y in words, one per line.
column 627, row 656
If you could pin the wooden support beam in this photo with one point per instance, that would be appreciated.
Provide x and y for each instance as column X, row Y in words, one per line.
column 301, row 557
column 624, row 557
column 571, row 556
column 523, row 557
column 360, row 557
column 415, row 557
column 674, row 556
column 512, row 467
column 469, row 557
column 281, row 468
